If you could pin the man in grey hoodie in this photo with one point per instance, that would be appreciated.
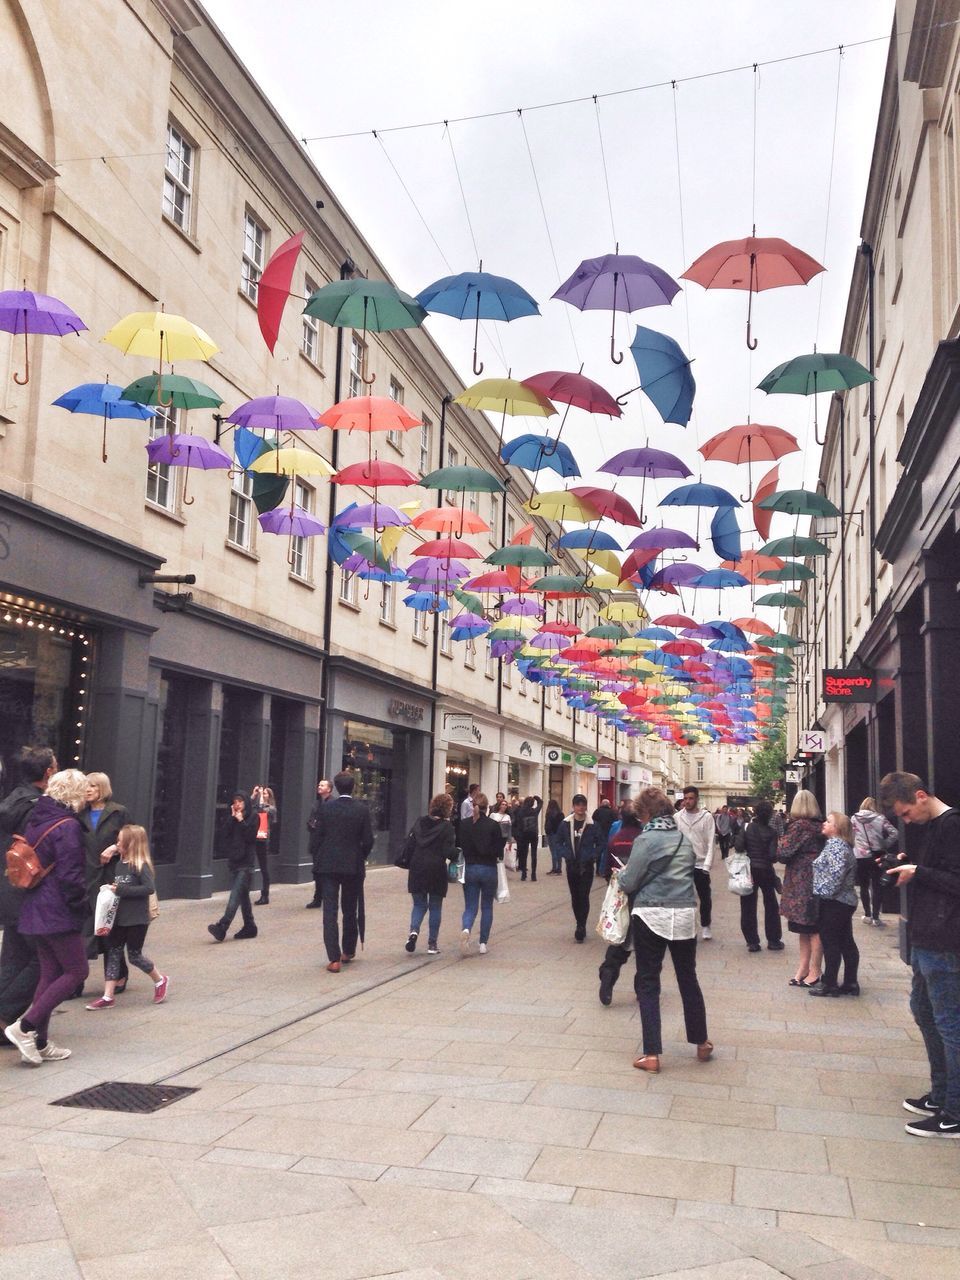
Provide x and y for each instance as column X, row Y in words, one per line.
column 698, row 826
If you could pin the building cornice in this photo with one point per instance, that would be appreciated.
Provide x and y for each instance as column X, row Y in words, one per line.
column 73, row 531
column 350, row 666
column 231, row 622
column 20, row 164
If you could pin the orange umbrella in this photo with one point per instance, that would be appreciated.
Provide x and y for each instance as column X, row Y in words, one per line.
column 751, row 564
column 761, row 515
column 369, row 413
column 373, row 474
column 448, row 549
column 450, row 520
column 749, row 443
column 754, row 626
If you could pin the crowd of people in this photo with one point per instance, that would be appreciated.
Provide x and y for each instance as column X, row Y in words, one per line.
column 69, row 840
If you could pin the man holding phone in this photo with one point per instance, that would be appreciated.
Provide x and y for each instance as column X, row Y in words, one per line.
column 933, row 887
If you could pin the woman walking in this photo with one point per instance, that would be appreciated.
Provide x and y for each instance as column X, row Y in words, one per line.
column 799, row 848
column 101, row 819
column 133, row 883
column 52, row 912
column 659, row 877
column 551, row 825
column 759, row 840
column 834, row 876
column 873, row 838
column 265, row 811
column 527, row 835
column 502, row 817
column 482, row 846
column 432, row 848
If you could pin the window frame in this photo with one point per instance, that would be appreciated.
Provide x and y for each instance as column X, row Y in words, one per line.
column 164, row 421
column 240, row 511
column 395, row 437
column 310, row 330
column 355, row 377
column 251, row 268
column 176, row 180
column 301, row 549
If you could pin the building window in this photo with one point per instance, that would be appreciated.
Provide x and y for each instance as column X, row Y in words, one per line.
column 420, row 626
column 310, row 335
column 469, row 655
column 494, row 518
column 388, row 604
column 349, row 593
column 396, row 394
column 356, row 366
column 508, row 675
column 473, row 503
column 426, row 427
column 254, row 255
column 178, row 178
column 490, row 669
column 511, row 527
column 453, row 456
column 445, row 635
column 699, row 770
column 240, row 523
column 162, row 479
column 744, row 773
column 301, row 549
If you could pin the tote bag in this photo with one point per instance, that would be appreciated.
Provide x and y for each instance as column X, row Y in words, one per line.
column 738, row 872
column 503, row 889
column 614, row 923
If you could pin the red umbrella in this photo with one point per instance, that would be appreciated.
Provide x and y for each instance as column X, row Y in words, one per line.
column 749, row 443
column 636, row 560
column 576, row 390
column 608, row 504
column 753, row 264
column 751, row 564
column 373, row 474
column 495, row 580
column 448, row 549
column 674, row 620
column 274, row 288
column 685, row 648
column 561, row 628
column 755, row 626
column 762, row 516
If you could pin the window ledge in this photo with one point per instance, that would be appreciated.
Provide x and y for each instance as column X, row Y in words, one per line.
column 448, row 656
column 348, row 604
column 396, row 446
column 246, row 297
column 241, row 551
column 191, row 240
column 312, row 363
column 167, row 514
column 308, row 583
column 420, row 640
column 391, row 626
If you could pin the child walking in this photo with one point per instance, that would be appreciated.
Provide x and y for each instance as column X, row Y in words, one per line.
column 133, row 885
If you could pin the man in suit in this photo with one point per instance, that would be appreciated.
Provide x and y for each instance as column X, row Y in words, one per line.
column 324, row 792
column 344, row 838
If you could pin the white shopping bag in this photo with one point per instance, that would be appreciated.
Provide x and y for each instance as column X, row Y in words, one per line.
column 106, row 911
column 510, row 855
column 738, row 871
column 503, row 889
column 614, row 923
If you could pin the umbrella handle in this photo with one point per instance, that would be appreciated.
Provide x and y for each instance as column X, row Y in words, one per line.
column 103, row 443
column 816, row 429
column 363, row 367
column 617, row 359
column 622, row 399
column 22, row 382
column 751, row 341
column 477, row 368
column 187, row 502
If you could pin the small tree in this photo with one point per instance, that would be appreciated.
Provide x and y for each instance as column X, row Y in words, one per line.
column 768, row 763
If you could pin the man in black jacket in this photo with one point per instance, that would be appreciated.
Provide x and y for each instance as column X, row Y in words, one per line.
column 344, row 838
column 324, row 793
column 19, row 969
column 934, row 897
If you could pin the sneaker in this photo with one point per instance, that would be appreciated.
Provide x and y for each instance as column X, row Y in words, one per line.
column 940, row 1125
column 26, row 1042
column 248, row 931
column 433, row 949
column 705, row 933
column 579, row 933
column 607, row 981
column 217, row 931
column 411, row 943
column 924, row 1106
column 775, row 946
column 465, row 942
column 102, row 1003
column 160, row 989
column 482, row 948
column 867, row 919
column 53, row 1053
column 879, row 924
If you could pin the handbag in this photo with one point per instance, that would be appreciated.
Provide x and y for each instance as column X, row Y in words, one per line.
column 614, row 923
column 503, row 889
column 510, row 855
column 456, row 869
column 106, row 911
column 405, row 856
column 739, row 875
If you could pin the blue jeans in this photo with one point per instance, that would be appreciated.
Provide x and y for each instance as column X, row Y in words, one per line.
column 556, row 861
column 935, row 1005
column 239, row 899
column 420, row 903
column 479, row 891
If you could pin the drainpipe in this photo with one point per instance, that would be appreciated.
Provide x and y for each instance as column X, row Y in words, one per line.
column 347, row 268
column 435, row 657
column 867, row 251
column 843, row 534
column 503, row 543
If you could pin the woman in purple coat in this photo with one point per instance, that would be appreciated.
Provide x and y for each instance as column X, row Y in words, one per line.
column 53, row 911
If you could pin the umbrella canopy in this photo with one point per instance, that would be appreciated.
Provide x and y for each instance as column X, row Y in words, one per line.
column 462, row 480
column 478, row 295
column 794, row 546
column 292, row 462
column 790, row 572
column 699, row 495
column 559, row 586
column 188, row 451
column 799, row 502
column 495, row 580
column 517, row 607
column 521, row 556
column 178, row 391
column 450, row 520
column 375, row 474
column 369, row 414
column 506, row 395
column 101, row 399
column 576, row 390
column 560, row 504
column 376, row 515
column 808, row 375
column 295, row 522
column 781, row 600
column 426, row 601
column 717, row 579
column 538, row 453
column 273, row 288
column 646, row 462
column 752, row 563
column 588, row 540
column 160, row 336
column 767, row 486
column 365, row 304
column 665, row 375
column 272, row 413
column 446, row 549
column 749, row 443
column 660, row 539
column 725, row 533
column 26, row 312
column 607, row 504
column 617, row 282
column 754, row 264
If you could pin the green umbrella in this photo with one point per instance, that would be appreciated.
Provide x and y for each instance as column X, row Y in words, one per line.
column 520, row 556
column 462, row 480
column 809, row 375
column 178, row 391
column 369, row 548
column 470, row 602
column 782, row 600
column 365, row 304
column 791, row 572
column 782, row 641
column 505, row 631
column 794, row 546
column 608, row 631
column 564, row 583
column 799, row 502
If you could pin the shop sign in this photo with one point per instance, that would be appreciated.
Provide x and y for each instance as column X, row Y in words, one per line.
column 410, row 711
column 525, row 750
column 461, row 728
column 604, row 772
column 813, row 741
column 556, row 755
column 793, row 775
column 586, row 759
column 846, row 684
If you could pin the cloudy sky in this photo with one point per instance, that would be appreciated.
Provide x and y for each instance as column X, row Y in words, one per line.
column 787, row 146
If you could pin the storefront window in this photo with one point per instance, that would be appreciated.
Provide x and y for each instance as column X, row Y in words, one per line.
column 513, row 775
column 231, row 745
column 377, row 757
column 175, row 694
column 46, row 670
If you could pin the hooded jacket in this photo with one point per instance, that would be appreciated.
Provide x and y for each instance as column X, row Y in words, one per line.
column 433, row 847
column 14, row 812
column 871, row 831
column 700, row 830
column 58, row 903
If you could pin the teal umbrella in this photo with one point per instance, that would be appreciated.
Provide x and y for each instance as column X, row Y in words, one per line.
column 365, row 304
column 809, row 375
column 791, row 572
column 782, row 600
column 799, row 502
column 794, row 546
column 462, row 480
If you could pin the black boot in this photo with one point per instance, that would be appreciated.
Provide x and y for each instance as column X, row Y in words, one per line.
column 248, row 931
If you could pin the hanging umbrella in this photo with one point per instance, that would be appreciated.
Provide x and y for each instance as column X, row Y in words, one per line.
column 506, row 395
column 646, row 463
column 467, row 626
column 369, row 414
column 495, row 580
column 782, row 600
column 183, row 393
column 607, row 504
column 699, row 495
column 617, row 282
column 426, row 602
column 292, row 462
column 665, row 375
column 294, row 522
column 273, row 413
column 560, row 504
column 749, row 443
column 794, row 546
column 800, row 502
column 374, row 475
column 160, row 336
column 478, row 295
column 537, row 453
column 717, row 579
column 450, row 520
column 808, row 375
column 518, row 607
column 273, row 288
column 462, row 480
column 725, row 533
column 660, row 539
column 368, row 305
column 559, row 586
column 588, row 540
column 752, row 564
column 26, row 312
column 188, row 451
column 790, row 572
column 377, row 515
column 636, row 561
column 573, row 389
column 674, row 620
column 767, row 486
column 447, row 549
column 522, row 557
column 101, row 399
column 753, row 264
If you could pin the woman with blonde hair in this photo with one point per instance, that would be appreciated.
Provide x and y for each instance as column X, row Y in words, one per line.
column 101, row 818
column 834, row 880
column 799, row 847
column 873, row 839
column 52, row 913
column 133, row 883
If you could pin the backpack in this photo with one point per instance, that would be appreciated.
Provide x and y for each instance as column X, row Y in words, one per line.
column 24, row 868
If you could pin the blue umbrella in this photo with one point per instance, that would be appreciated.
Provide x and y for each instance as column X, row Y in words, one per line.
column 717, row 579
column 699, row 495
column 725, row 534
column 478, row 295
column 467, row 626
column 665, row 376
column 425, row 601
column 102, row 399
column 589, row 540
column 538, row 453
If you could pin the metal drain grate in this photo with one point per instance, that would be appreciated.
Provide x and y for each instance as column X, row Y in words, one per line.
column 116, row 1095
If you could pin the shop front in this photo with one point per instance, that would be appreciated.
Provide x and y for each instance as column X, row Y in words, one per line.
column 558, row 763
column 379, row 730
column 467, row 750
column 585, row 776
column 523, row 759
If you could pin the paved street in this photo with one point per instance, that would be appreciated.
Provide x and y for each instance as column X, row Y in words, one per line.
column 425, row 1119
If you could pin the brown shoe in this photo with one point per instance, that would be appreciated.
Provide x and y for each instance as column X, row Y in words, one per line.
column 704, row 1051
column 648, row 1062
column 334, row 967
column 347, row 959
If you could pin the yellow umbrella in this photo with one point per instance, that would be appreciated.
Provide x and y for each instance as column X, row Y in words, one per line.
column 161, row 337
column 604, row 581
column 634, row 644
column 623, row 611
column 558, row 504
column 292, row 462
column 506, row 395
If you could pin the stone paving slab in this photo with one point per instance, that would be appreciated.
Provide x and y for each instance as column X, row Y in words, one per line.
column 416, row 1118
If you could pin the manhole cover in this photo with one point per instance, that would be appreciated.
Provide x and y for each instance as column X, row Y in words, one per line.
column 115, row 1095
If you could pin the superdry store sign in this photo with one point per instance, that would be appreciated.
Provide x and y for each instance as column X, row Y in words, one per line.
column 845, row 685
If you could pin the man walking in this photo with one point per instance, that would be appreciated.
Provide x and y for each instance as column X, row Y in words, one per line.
column 933, row 893
column 724, row 829
column 344, row 840
column 466, row 806
column 579, row 842
column 324, row 792
column 697, row 825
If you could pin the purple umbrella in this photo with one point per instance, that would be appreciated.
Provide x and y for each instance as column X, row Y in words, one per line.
column 676, row 575
column 276, row 413
column 617, row 282
column 376, row 514
column 22, row 311
column 659, row 539
column 188, row 451
column 293, row 521
column 523, row 608
column 646, row 462
column 436, row 571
